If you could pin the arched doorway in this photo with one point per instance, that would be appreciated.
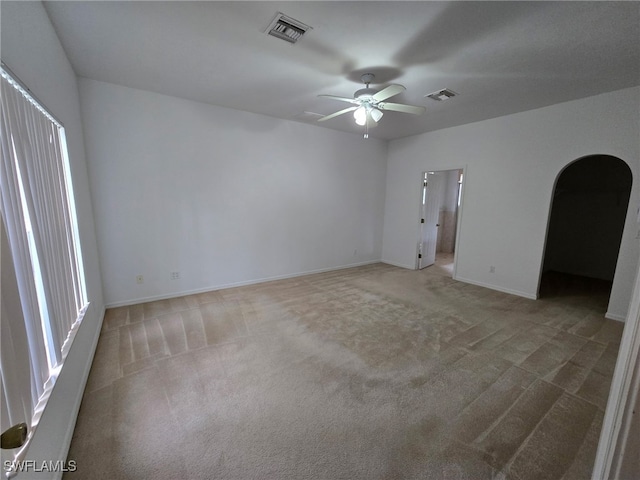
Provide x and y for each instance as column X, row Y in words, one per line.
column 587, row 218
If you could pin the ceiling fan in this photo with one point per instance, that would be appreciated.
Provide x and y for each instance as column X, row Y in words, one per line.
column 369, row 104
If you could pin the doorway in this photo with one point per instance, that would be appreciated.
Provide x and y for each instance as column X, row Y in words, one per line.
column 588, row 213
column 439, row 212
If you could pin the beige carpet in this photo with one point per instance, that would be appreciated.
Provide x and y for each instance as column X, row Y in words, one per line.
column 374, row 372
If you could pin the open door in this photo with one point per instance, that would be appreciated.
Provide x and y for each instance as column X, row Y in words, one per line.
column 431, row 192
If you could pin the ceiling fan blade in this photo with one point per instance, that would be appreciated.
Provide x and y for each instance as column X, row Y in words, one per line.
column 400, row 107
column 390, row 91
column 342, row 99
column 341, row 112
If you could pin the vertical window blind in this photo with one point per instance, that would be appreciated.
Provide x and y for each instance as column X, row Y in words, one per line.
column 43, row 287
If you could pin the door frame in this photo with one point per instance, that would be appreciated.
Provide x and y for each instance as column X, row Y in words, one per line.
column 622, row 394
column 458, row 216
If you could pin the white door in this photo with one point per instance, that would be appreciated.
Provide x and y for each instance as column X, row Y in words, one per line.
column 431, row 194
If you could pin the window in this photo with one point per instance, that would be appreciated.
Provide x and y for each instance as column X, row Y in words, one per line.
column 41, row 256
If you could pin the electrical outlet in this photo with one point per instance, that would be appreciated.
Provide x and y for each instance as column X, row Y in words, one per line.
column 175, row 275
column 139, row 279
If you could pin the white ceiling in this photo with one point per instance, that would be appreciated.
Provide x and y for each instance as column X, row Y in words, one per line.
column 501, row 57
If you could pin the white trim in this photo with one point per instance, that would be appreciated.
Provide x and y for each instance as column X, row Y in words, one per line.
column 628, row 357
column 497, row 288
column 615, row 316
column 235, row 284
column 456, row 247
column 401, row 265
column 623, row 450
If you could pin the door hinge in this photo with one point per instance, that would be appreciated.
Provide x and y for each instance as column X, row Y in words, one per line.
column 422, row 220
column 419, row 255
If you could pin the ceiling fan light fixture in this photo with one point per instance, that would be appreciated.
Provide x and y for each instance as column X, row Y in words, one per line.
column 360, row 114
column 376, row 114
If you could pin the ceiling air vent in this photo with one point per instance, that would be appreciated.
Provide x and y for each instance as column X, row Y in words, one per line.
column 441, row 95
column 287, row 28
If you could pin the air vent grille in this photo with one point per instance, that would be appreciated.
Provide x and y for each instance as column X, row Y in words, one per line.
column 287, row 28
column 441, row 95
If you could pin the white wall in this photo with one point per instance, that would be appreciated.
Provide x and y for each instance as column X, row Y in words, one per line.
column 222, row 196
column 518, row 156
column 31, row 49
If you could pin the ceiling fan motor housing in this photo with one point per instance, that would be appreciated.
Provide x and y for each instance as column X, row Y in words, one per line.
column 365, row 94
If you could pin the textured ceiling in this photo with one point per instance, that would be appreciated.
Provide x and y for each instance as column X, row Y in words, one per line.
column 501, row 57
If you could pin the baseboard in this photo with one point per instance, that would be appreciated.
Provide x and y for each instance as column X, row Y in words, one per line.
column 410, row 267
column 615, row 316
column 236, row 284
column 497, row 288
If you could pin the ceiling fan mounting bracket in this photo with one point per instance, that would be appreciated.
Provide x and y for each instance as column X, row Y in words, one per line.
column 367, row 78
column 366, row 94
